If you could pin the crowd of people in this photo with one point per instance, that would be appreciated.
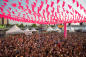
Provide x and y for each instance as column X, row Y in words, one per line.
column 51, row 44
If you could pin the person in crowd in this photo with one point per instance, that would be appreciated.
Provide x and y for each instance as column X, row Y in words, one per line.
column 44, row 45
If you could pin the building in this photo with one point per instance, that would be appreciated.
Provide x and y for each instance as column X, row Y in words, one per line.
column 4, row 21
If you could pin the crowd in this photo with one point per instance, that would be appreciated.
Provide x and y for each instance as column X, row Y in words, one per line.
column 44, row 45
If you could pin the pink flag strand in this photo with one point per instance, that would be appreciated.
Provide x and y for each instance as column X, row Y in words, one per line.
column 73, row 1
column 52, row 3
column 63, row 4
column 14, row 4
column 69, row 6
column 77, row 4
column 46, row 1
column 58, row 1
column 27, row 1
column 5, row 0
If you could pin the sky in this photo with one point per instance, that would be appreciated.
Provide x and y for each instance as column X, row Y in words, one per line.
column 83, row 2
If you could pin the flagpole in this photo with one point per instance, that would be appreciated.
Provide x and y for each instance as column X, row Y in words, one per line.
column 65, row 30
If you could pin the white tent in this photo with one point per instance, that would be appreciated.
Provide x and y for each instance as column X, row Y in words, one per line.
column 75, row 24
column 84, row 29
column 57, row 29
column 72, row 30
column 68, row 28
column 50, row 29
column 27, row 32
column 14, row 30
column 33, row 29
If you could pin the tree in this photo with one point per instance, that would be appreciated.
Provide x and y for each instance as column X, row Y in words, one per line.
column 17, row 24
column 34, row 25
column 21, row 25
column 52, row 25
column 26, row 26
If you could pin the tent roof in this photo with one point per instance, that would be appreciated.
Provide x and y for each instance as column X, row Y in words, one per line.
column 57, row 28
column 33, row 29
column 27, row 32
column 27, row 29
column 50, row 29
column 14, row 30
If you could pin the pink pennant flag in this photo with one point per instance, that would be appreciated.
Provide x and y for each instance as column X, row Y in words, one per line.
column 19, row 3
column 16, row 10
column 43, row 13
column 14, row 4
column 9, row 15
column 25, row 10
column 34, row 4
column 47, row 8
column 63, row 9
column 77, row 4
column 69, row 6
column 84, row 11
column 22, row 7
column 5, row 0
column 18, row 7
column 52, row 10
column 73, row 1
column 76, row 12
column 39, row 15
column 9, row 8
column 58, row 1
column 52, row 3
column 55, row 14
column 38, row 9
column 72, row 10
column 5, row 4
column 34, row 13
column 2, row 12
column 27, row 1
column 46, row 1
column 33, row 7
column 2, row 6
column 63, row 4
column 36, row 1
column 67, row 11
column 29, row 11
column 71, row 13
column 27, row 6
column 41, row 5
column 81, row 7
column 58, row 6
column 13, row 12
column 48, row 13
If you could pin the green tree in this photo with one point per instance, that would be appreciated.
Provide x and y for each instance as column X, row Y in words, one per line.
column 17, row 24
column 52, row 25
column 34, row 25
column 21, row 25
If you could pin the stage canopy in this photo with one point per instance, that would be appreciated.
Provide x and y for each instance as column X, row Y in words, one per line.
column 44, row 11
